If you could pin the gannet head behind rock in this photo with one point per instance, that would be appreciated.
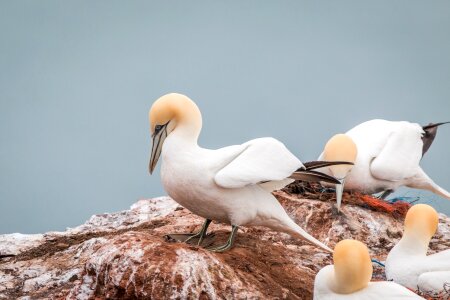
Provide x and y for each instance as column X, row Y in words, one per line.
column 421, row 223
column 170, row 112
column 340, row 148
column 352, row 266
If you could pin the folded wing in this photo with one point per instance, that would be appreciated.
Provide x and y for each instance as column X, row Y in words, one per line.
column 399, row 158
column 263, row 160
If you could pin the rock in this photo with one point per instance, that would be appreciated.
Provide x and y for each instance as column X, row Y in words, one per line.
column 124, row 255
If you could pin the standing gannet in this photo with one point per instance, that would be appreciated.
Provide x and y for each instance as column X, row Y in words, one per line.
column 408, row 263
column 349, row 277
column 231, row 185
column 339, row 148
column 388, row 157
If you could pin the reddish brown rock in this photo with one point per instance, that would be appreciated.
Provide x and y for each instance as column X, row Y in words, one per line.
column 125, row 256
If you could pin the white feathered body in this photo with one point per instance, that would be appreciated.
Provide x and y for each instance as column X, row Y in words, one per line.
column 415, row 270
column 222, row 184
column 389, row 153
column 231, row 185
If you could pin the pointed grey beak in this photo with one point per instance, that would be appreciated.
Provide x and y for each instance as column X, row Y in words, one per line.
column 158, row 136
column 339, row 191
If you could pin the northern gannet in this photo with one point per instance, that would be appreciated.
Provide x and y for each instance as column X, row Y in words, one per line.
column 339, row 148
column 408, row 264
column 388, row 157
column 231, row 185
column 349, row 277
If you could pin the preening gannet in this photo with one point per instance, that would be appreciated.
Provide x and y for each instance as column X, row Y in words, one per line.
column 339, row 148
column 388, row 157
column 349, row 277
column 231, row 185
column 408, row 263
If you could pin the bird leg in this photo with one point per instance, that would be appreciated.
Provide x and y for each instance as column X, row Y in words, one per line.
column 229, row 244
column 386, row 193
column 201, row 234
column 187, row 237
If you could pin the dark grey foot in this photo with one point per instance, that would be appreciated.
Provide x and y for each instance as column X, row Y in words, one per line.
column 385, row 194
column 178, row 237
column 192, row 238
column 229, row 244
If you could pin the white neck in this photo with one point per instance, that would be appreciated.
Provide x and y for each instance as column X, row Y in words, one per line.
column 187, row 122
column 413, row 244
column 342, row 286
column 188, row 132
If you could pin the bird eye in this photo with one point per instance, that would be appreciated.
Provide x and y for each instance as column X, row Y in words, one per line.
column 158, row 128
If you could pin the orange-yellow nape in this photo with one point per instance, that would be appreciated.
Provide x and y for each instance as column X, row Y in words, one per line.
column 352, row 266
column 176, row 108
column 421, row 219
column 340, row 148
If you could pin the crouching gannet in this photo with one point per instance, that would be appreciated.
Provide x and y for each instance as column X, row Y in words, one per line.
column 339, row 148
column 388, row 157
column 408, row 263
column 349, row 277
column 231, row 185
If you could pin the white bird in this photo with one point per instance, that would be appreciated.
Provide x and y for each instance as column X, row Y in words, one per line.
column 408, row 263
column 339, row 148
column 349, row 277
column 388, row 157
column 231, row 185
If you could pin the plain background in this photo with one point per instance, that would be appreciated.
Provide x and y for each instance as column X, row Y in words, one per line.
column 77, row 79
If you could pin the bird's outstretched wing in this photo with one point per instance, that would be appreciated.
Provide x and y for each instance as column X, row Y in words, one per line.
column 263, row 160
column 400, row 156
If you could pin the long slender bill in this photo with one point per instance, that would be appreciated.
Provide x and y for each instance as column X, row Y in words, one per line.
column 158, row 141
column 339, row 192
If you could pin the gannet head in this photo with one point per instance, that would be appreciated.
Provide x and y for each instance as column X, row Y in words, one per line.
column 340, row 148
column 352, row 266
column 170, row 112
column 421, row 223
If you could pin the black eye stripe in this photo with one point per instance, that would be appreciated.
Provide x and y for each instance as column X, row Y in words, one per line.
column 159, row 127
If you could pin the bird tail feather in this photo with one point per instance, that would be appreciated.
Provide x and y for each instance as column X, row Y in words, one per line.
column 422, row 181
column 297, row 231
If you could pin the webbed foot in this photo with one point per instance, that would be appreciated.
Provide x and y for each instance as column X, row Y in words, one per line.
column 192, row 238
column 229, row 244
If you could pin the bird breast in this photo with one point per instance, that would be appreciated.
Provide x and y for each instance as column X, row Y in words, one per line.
column 188, row 179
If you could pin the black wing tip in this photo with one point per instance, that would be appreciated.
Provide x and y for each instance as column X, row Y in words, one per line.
column 311, row 165
column 314, row 176
column 429, row 135
column 431, row 125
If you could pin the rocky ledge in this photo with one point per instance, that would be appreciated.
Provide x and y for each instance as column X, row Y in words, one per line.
column 125, row 255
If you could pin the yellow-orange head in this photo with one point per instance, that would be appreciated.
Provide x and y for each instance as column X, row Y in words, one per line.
column 340, row 148
column 170, row 112
column 352, row 266
column 421, row 221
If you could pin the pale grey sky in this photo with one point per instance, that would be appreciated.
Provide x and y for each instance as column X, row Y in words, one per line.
column 77, row 79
